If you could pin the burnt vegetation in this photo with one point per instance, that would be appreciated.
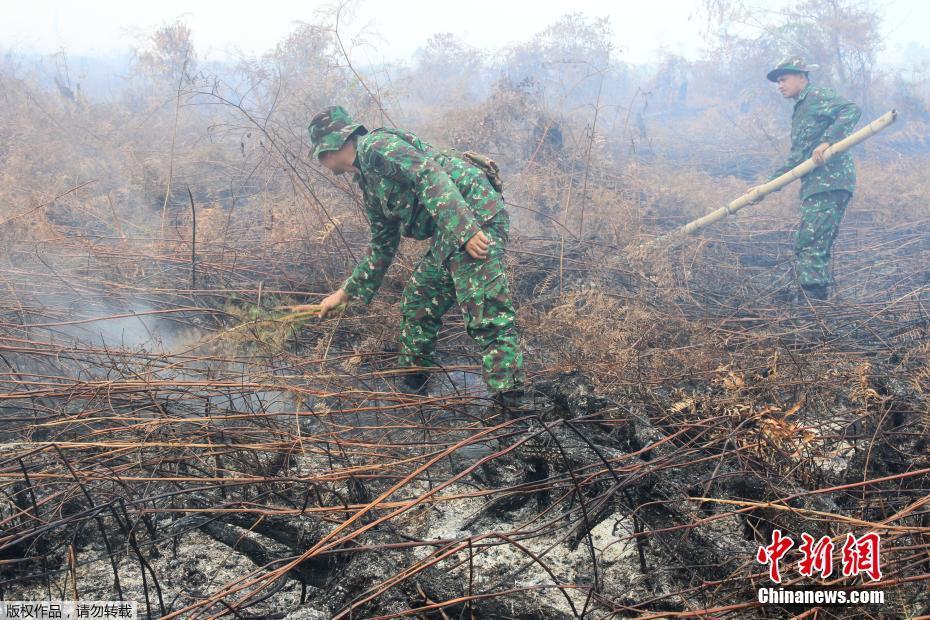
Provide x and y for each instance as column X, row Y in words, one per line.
column 150, row 452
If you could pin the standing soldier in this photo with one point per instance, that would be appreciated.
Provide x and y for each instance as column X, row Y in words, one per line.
column 413, row 189
column 821, row 118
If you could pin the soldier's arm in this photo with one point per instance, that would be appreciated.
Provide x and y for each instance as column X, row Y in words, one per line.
column 393, row 157
column 794, row 158
column 845, row 115
column 368, row 275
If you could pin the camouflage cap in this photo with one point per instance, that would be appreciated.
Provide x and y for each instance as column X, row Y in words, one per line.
column 330, row 129
column 791, row 65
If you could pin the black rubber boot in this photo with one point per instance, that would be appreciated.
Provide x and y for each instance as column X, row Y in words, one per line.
column 790, row 296
column 819, row 292
column 517, row 403
column 413, row 383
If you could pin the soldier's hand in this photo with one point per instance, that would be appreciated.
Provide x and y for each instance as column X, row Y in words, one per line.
column 330, row 303
column 477, row 246
column 818, row 153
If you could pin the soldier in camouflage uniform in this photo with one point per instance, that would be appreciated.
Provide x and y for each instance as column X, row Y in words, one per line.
column 821, row 118
column 413, row 189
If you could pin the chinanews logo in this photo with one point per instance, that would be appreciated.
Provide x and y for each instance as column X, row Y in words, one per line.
column 858, row 557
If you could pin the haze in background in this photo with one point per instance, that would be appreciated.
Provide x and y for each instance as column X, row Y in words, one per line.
column 381, row 32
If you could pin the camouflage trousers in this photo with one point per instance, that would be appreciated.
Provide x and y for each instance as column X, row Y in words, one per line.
column 481, row 290
column 821, row 215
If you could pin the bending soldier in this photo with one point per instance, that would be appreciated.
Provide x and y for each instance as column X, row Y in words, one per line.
column 413, row 189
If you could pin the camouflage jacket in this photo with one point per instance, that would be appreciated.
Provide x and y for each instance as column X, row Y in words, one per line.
column 821, row 115
column 412, row 189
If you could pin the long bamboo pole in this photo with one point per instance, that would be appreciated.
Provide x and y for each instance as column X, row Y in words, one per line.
column 758, row 193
